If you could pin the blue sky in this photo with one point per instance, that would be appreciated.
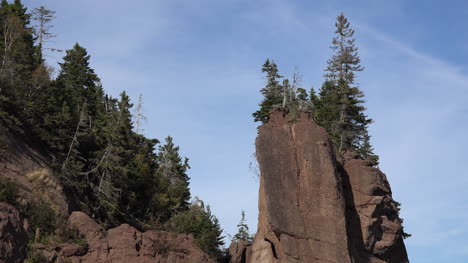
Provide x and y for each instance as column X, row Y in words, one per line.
column 197, row 64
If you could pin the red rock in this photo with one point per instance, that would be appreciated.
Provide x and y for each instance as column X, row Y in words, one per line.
column 315, row 208
column 380, row 239
column 126, row 244
column 301, row 206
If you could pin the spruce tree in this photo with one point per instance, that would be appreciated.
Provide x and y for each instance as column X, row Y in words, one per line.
column 18, row 60
column 340, row 108
column 173, row 180
column 242, row 230
column 273, row 92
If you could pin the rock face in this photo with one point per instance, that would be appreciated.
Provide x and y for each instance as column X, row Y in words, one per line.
column 126, row 244
column 314, row 209
column 240, row 251
column 13, row 235
column 380, row 238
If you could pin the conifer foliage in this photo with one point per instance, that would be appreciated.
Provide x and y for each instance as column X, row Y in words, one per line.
column 107, row 168
column 242, row 230
column 340, row 108
column 339, row 105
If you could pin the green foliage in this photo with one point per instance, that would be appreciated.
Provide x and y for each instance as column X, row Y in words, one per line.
column 339, row 107
column 203, row 225
column 173, row 181
column 242, row 230
column 35, row 255
column 41, row 216
column 404, row 234
column 340, row 111
column 68, row 234
column 9, row 191
column 272, row 92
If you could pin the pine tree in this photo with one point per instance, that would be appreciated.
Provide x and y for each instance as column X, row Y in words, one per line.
column 273, row 92
column 345, row 62
column 339, row 109
column 173, row 181
column 203, row 225
column 242, row 230
column 18, row 60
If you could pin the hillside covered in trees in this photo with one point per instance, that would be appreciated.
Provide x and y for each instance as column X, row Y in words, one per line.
column 107, row 168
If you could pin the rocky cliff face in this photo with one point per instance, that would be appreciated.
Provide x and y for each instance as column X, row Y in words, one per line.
column 313, row 208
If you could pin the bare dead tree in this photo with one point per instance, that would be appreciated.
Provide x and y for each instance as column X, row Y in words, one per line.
column 74, row 141
column 43, row 29
column 139, row 116
column 253, row 166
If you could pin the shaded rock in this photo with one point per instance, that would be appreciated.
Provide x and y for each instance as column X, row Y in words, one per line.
column 380, row 239
column 240, row 251
column 13, row 236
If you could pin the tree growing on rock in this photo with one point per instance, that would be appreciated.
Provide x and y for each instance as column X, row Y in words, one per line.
column 242, row 230
column 339, row 108
column 273, row 91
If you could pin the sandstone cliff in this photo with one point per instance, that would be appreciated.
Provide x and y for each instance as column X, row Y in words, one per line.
column 313, row 208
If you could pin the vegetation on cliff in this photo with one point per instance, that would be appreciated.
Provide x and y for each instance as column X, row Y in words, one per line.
column 338, row 107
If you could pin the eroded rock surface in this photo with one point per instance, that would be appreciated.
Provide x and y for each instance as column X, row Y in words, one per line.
column 380, row 238
column 13, row 235
column 301, row 206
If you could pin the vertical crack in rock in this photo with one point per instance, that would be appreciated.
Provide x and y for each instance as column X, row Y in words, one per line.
column 273, row 249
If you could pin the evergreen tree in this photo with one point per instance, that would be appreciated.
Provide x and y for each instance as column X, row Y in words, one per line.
column 18, row 60
column 203, row 225
column 173, row 181
column 273, row 92
column 242, row 230
column 345, row 62
column 60, row 105
column 339, row 109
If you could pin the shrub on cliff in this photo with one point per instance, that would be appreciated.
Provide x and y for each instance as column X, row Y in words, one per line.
column 202, row 224
column 8, row 191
